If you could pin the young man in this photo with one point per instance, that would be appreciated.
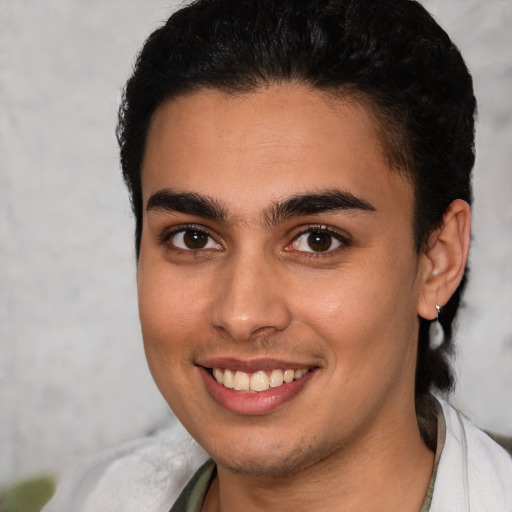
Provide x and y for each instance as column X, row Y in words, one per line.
column 300, row 176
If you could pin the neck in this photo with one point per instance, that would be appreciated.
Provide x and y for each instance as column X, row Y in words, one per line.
column 389, row 470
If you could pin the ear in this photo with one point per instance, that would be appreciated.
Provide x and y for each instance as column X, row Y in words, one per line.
column 443, row 263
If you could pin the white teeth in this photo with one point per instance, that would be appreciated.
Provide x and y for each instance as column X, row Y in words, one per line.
column 288, row 376
column 257, row 381
column 217, row 374
column 299, row 374
column 276, row 378
column 227, row 379
column 241, row 381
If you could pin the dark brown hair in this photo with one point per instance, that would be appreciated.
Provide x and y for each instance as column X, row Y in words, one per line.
column 390, row 53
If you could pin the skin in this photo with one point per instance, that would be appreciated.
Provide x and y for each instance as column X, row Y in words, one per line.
column 348, row 440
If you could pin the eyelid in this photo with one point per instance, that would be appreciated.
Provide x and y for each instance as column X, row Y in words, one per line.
column 167, row 234
column 325, row 228
column 341, row 236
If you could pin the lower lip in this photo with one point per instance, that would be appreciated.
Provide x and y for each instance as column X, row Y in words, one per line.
column 253, row 403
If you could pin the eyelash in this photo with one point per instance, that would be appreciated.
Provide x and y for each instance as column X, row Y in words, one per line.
column 165, row 238
column 344, row 241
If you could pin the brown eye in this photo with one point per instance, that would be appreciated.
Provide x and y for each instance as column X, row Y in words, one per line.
column 193, row 240
column 319, row 241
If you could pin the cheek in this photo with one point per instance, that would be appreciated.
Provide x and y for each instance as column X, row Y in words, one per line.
column 365, row 308
column 172, row 312
column 171, row 320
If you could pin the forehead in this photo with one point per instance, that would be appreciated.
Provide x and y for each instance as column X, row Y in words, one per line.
column 251, row 149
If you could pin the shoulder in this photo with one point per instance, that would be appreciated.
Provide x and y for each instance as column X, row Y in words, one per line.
column 143, row 475
column 474, row 472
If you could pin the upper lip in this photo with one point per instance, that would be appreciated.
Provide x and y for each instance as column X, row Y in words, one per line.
column 252, row 365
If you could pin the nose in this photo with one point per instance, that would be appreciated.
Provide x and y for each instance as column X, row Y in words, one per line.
column 250, row 299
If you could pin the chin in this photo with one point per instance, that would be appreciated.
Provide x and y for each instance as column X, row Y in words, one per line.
column 271, row 460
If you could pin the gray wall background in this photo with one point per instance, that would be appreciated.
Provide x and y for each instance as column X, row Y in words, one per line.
column 73, row 378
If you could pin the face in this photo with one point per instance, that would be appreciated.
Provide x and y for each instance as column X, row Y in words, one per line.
column 278, row 282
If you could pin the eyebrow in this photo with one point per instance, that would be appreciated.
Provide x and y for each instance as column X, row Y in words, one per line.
column 315, row 203
column 186, row 202
column 300, row 205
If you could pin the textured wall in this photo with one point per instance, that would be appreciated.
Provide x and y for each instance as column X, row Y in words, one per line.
column 72, row 373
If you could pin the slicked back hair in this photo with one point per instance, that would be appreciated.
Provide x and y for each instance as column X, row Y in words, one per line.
column 390, row 55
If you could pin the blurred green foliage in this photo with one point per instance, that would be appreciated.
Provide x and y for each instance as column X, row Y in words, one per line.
column 27, row 495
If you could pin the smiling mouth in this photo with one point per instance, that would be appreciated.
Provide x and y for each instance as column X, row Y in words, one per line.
column 256, row 382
